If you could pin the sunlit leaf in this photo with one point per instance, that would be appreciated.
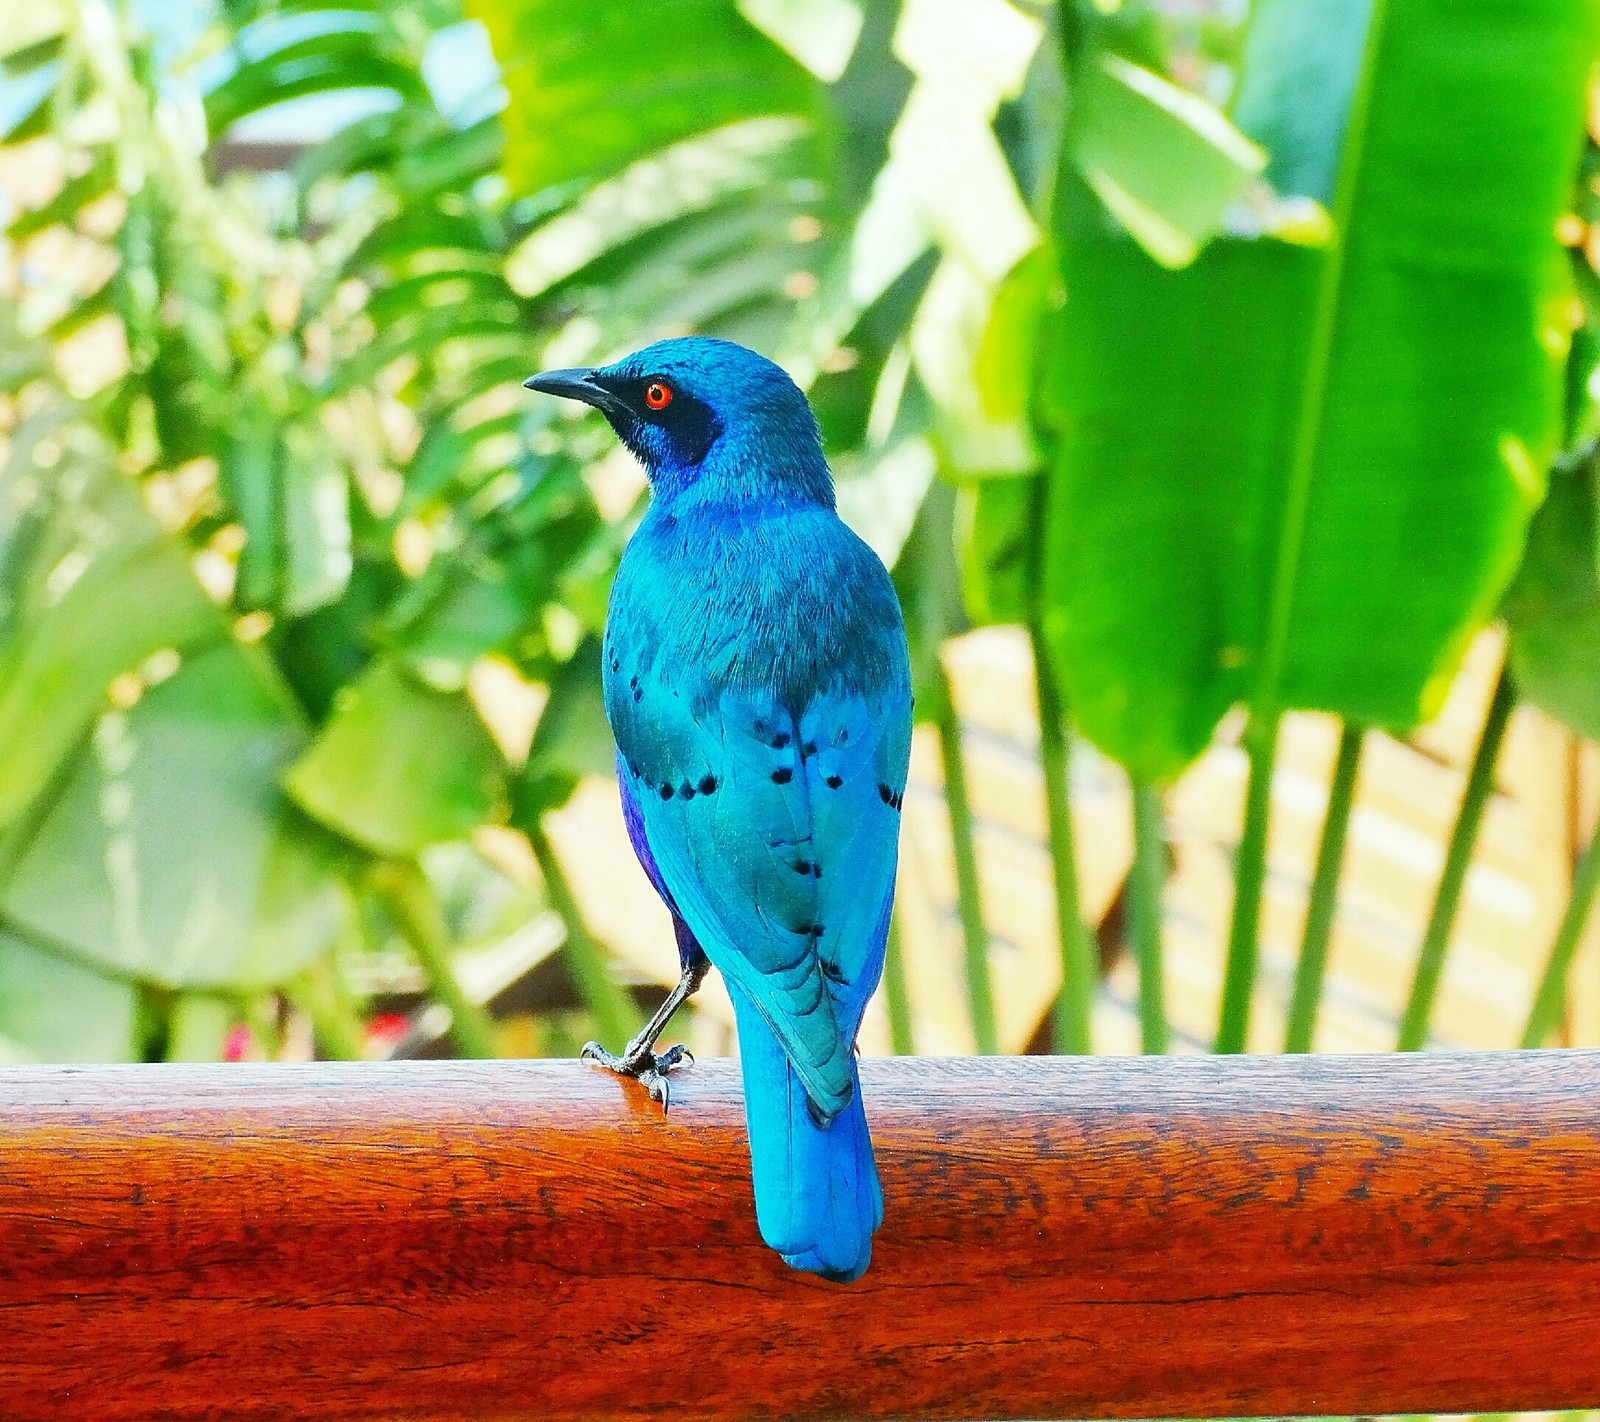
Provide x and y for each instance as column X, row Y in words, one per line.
column 336, row 60
column 97, row 589
column 198, row 1026
column 1164, row 161
column 821, row 34
column 400, row 765
column 572, row 739
column 612, row 90
column 169, row 853
column 1182, row 404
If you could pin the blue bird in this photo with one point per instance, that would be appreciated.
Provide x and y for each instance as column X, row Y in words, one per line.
column 759, row 689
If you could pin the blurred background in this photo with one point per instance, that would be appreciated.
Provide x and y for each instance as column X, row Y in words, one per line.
column 1218, row 380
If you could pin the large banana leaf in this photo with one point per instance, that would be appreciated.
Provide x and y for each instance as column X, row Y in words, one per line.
column 169, row 854
column 590, row 95
column 1300, row 476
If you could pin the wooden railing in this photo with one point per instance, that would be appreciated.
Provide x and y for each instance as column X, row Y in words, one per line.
column 1064, row 1238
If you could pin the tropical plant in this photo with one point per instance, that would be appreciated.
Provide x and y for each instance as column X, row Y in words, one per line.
column 1176, row 392
column 933, row 134
column 1343, row 520
column 283, row 525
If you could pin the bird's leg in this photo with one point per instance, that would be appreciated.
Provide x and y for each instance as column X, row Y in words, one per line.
column 639, row 1059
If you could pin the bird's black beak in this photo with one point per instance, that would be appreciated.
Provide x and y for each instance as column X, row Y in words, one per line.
column 575, row 384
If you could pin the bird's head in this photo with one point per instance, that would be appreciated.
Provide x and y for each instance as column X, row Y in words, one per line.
column 702, row 412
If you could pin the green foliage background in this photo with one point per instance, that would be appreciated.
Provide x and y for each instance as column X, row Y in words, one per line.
column 1236, row 390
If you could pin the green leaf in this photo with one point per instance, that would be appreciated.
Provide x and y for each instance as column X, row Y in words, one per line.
column 880, row 492
column 704, row 173
column 1165, row 162
column 249, row 477
column 572, row 738
column 927, row 579
column 423, row 331
column 978, row 436
column 64, row 207
column 22, row 358
column 1007, row 366
column 846, row 401
column 995, row 531
column 1553, row 607
column 448, row 160
column 55, row 1009
column 593, row 89
column 470, row 608
column 290, row 490
column 316, row 517
column 371, row 143
column 400, row 765
column 450, row 461
column 1301, row 64
column 967, row 56
column 439, row 286
column 1558, row 577
column 821, row 34
column 340, row 60
column 424, row 230
column 96, row 589
column 1299, row 484
column 170, row 854
column 1173, row 392
column 34, row 119
column 975, row 348
column 39, row 44
column 723, row 272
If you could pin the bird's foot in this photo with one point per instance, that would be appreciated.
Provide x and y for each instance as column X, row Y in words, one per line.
column 645, row 1066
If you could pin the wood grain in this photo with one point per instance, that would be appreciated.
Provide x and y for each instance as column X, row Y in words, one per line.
column 1065, row 1238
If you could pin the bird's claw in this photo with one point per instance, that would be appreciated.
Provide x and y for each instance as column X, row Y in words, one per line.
column 643, row 1065
column 676, row 1056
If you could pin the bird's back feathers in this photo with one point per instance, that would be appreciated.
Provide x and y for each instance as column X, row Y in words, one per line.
column 762, row 716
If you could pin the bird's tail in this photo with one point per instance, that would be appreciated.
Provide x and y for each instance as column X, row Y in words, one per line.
column 817, row 1195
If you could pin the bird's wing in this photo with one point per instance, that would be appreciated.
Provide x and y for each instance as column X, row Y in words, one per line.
column 855, row 749
column 741, row 813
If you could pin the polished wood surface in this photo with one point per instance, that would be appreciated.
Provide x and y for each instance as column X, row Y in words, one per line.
column 1065, row 1238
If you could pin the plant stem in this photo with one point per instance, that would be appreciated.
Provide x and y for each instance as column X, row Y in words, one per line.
column 1480, row 784
column 153, row 1020
column 895, row 998
column 969, row 900
column 200, row 1023
column 1249, row 878
column 336, row 1026
column 1266, row 700
column 1145, row 886
column 1312, row 967
column 1080, row 966
column 415, row 909
column 1552, row 994
column 610, row 1006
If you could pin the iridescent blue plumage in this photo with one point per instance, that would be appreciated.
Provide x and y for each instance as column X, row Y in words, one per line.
column 757, row 683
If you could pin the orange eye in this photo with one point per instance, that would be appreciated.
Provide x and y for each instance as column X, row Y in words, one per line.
column 658, row 395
